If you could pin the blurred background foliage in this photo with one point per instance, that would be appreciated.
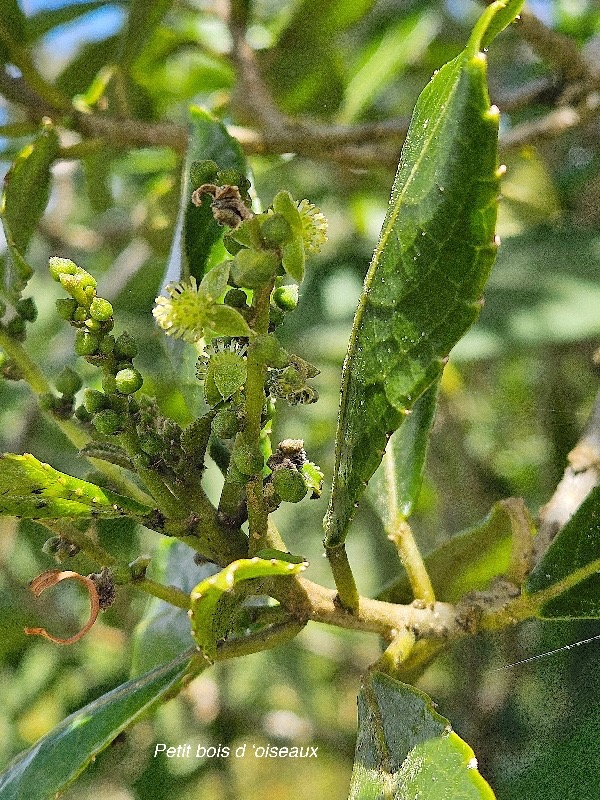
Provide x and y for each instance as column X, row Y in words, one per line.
column 514, row 400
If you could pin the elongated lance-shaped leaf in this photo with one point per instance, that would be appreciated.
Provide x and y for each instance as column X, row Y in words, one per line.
column 575, row 552
column 423, row 288
column 142, row 21
column 405, row 749
column 206, row 626
column 59, row 757
column 198, row 237
column 24, row 199
column 34, row 490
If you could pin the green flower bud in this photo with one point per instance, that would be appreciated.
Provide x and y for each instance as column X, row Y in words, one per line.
column 289, row 485
column 61, row 266
column 80, row 314
column 94, row 401
column 108, row 422
column 109, row 383
column 225, row 425
column 248, row 460
column 52, row 545
column 16, row 329
column 203, row 172
column 286, row 297
column 236, row 298
column 82, row 414
column 152, row 444
column 275, row 230
column 107, row 345
column 251, row 269
column 47, row 401
column 86, row 343
column 233, row 177
column 66, row 308
column 128, row 381
column 126, row 347
column 137, row 568
column 26, row 309
column 93, row 325
column 68, row 382
column 100, row 309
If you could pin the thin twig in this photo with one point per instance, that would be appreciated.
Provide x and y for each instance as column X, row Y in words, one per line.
column 580, row 477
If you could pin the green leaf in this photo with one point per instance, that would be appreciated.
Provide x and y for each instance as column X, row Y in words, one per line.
column 423, row 288
column 142, row 21
column 12, row 27
column 42, row 22
column 405, row 749
column 201, row 233
column 214, row 283
column 397, row 483
column 206, row 627
column 388, row 61
column 60, row 756
column 227, row 321
column 24, row 199
column 31, row 489
column 575, row 548
column 470, row 559
column 87, row 63
column 163, row 632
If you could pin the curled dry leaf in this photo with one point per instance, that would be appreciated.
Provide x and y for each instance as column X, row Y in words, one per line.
column 49, row 579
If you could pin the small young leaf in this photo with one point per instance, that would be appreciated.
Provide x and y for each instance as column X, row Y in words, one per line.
column 397, row 483
column 227, row 321
column 24, row 199
column 208, row 593
column 423, row 288
column 406, row 749
column 59, row 757
column 576, row 547
column 214, row 283
column 33, row 490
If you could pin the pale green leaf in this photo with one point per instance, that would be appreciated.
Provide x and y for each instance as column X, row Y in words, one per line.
column 34, row 490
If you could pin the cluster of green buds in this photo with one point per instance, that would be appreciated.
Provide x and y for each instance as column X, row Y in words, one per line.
column 92, row 317
column 25, row 311
column 267, row 251
column 231, row 315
